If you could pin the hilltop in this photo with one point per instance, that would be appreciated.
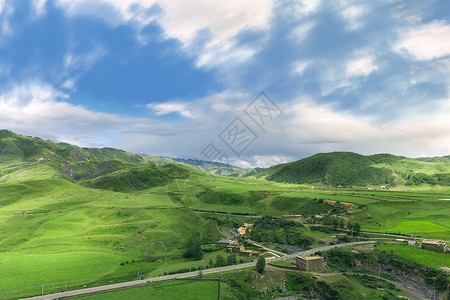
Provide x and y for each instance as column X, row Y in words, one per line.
column 19, row 148
column 348, row 168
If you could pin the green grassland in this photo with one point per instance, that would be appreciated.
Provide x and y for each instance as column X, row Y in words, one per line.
column 348, row 169
column 77, row 215
column 177, row 289
column 52, row 230
column 49, row 224
column 417, row 255
column 419, row 211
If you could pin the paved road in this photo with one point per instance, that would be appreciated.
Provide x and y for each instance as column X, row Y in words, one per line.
column 273, row 252
column 135, row 283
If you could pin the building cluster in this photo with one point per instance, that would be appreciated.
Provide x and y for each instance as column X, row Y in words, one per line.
column 234, row 247
column 432, row 245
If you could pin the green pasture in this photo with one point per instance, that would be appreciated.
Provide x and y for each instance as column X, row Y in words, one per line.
column 417, row 255
column 53, row 230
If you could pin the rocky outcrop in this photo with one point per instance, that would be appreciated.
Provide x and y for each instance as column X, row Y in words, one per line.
column 82, row 171
column 78, row 156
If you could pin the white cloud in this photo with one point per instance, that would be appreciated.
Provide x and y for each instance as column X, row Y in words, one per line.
column 347, row 73
column 222, row 21
column 307, row 6
column 113, row 12
column 300, row 66
column 360, row 66
column 6, row 10
column 320, row 129
column 39, row 7
column 84, row 61
column 265, row 161
column 74, row 65
column 40, row 109
column 69, row 84
column 301, row 32
column 171, row 107
column 426, row 41
column 354, row 16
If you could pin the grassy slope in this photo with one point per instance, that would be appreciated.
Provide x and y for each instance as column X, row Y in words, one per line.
column 419, row 211
column 417, row 255
column 71, row 233
column 346, row 168
column 47, row 222
column 17, row 148
column 139, row 178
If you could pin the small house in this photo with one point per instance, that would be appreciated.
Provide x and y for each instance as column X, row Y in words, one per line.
column 235, row 249
column 309, row 263
column 434, row 246
column 226, row 243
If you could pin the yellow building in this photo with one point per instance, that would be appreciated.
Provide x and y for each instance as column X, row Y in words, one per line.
column 247, row 227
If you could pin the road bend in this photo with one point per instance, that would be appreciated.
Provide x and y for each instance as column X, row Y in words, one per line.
column 136, row 283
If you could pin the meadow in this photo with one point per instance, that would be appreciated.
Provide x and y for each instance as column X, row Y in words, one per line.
column 61, row 234
column 419, row 256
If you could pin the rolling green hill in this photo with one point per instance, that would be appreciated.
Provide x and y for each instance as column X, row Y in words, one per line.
column 348, row 169
column 18, row 148
column 97, row 216
column 138, row 178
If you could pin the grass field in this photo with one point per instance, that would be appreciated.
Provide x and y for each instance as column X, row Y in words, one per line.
column 176, row 289
column 420, row 256
column 79, row 235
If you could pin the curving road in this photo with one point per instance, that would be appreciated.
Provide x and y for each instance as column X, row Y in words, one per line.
column 135, row 283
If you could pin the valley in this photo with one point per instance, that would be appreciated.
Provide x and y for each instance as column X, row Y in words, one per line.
column 74, row 218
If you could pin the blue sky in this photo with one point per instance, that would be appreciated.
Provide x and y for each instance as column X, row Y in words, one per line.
column 168, row 77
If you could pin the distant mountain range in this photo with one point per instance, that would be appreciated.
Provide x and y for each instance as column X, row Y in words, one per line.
column 107, row 167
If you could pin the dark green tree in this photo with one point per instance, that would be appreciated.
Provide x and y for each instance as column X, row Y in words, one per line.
column 194, row 247
column 231, row 260
column 355, row 228
column 220, row 261
column 260, row 264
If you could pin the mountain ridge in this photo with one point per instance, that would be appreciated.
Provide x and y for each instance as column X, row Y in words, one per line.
column 348, row 168
column 334, row 168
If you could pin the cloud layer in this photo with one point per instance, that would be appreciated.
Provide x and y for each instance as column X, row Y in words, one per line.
column 167, row 77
